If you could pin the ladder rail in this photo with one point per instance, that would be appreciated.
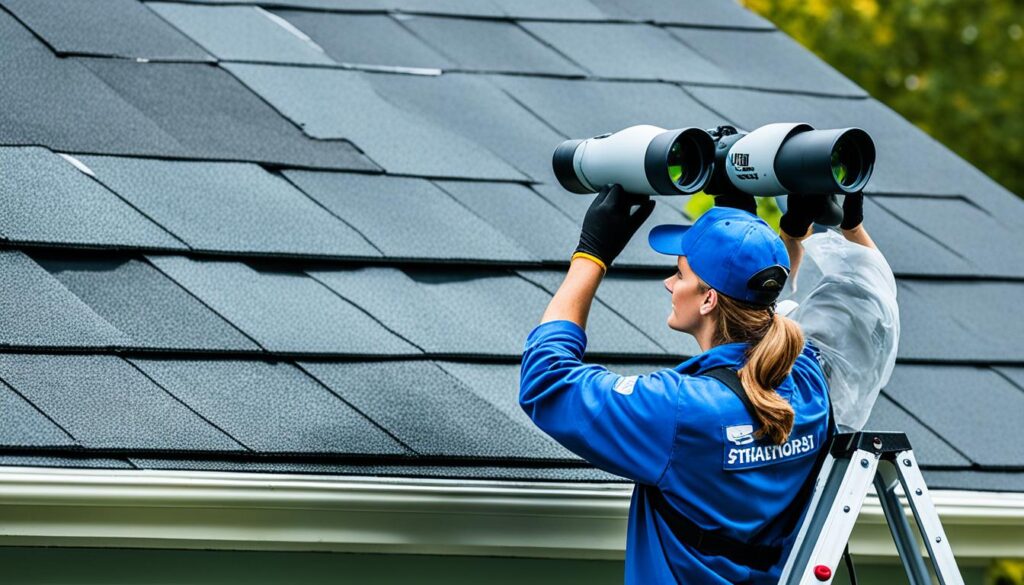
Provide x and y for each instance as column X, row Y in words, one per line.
column 834, row 528
column 906, row 543
column 855, row 462
column 939, row 551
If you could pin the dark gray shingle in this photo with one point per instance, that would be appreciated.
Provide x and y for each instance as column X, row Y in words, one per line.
column 22, row 425
column 241, row 33
column 483, row 45
column 105, row 403
column 975, row 480
column 498, row 384
column 608, row 332
column 422, row 220
column 469, row 313
column 445, row 313
column 985, row 240
column 907, row 248
column 146, row 305
column 477, row 111
column 521, row 215
column 283, row 312
column 429, row 410
column 975, row 409
column 37, row 311
column 768, row 60
column 229, row 207
column 929, row 448
column 717, row 13
column 585, row 108
column 44, row 199
column 552, row 472
column 68, row 462
column 547, row 10
column 627, row 51
column 335, row 104
column 212, row 115
column 113, row 28
column 959, row 320
column 365, row 39
column 60, row 104
column 270, row 407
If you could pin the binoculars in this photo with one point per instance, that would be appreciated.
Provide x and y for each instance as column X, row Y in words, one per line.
column 775, row 159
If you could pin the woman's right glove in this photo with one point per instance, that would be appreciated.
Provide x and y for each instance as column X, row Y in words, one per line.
column 610, row 222
column 853, row 211
column 801, row 211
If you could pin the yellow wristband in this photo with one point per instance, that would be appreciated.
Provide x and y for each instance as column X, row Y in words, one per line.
column 592, row 258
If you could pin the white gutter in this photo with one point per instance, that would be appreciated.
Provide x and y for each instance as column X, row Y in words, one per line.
column 251, row 511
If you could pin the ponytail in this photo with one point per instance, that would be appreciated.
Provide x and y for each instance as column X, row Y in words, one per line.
column 768, row 364
column 776, row 342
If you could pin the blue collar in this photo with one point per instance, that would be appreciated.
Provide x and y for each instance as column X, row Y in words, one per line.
column 727, row 354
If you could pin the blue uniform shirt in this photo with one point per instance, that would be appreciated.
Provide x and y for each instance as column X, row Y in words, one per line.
column 685, row 433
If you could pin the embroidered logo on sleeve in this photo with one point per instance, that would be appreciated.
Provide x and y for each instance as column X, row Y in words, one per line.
column 742, row 451
column 625, row 385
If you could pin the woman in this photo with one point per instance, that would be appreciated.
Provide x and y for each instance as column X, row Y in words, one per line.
column 722, row 446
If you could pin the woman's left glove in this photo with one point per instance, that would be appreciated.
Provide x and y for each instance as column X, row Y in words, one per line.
column 610, row 223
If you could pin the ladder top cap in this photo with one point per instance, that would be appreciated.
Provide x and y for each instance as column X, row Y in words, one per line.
column 884, row 444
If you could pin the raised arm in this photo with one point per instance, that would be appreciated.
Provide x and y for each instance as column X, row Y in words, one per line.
column 796, row 225
column 608, row 226
column 848, row 310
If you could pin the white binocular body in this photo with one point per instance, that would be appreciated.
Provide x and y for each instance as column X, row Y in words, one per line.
column 775, row 159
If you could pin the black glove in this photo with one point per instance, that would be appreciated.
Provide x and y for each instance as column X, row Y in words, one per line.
column 741, row 201
column 801, row 211
column 853, row 211
column 609, row 223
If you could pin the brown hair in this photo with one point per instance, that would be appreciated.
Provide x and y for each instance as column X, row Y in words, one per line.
column 775, row 343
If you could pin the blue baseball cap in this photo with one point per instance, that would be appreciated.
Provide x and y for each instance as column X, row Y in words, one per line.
column 735, row 252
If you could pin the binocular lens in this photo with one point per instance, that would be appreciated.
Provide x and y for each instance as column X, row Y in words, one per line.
column 847, row 162
column 688, row 162
column 676, row 165
column 684, row 162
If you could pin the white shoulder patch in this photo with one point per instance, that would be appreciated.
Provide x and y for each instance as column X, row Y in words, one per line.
column 625, row 385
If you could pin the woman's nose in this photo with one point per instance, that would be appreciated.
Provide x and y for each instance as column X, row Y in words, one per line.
column 668, row 282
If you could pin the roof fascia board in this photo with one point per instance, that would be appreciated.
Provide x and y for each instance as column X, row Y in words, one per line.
column 255, row 511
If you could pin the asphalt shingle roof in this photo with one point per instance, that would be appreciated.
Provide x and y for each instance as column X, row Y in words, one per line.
column 290, row 236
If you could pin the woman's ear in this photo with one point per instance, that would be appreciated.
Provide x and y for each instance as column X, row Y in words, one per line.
column 710, row 302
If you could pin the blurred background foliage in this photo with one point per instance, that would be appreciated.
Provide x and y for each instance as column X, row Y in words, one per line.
column 955, row 68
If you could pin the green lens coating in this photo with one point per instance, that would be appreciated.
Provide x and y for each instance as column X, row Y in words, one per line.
column 839, row 170
column 676, row 169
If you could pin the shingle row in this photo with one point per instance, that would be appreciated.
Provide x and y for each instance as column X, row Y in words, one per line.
column 239, row 208
column 717, row 13
column 405, row 409
column 177, row 303
column 119, row 106
column 360, row 409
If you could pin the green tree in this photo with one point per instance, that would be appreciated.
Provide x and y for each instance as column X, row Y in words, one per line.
column 955, row 68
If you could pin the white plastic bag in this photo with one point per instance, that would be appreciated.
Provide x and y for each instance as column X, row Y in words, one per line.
column 847, row 309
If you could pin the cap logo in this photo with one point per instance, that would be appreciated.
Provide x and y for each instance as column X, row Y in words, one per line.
column 766, row 284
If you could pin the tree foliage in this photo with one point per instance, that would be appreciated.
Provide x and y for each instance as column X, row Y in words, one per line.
column 955, row 68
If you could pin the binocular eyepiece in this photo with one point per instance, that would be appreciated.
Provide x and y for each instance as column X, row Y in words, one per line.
column 775, row 159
